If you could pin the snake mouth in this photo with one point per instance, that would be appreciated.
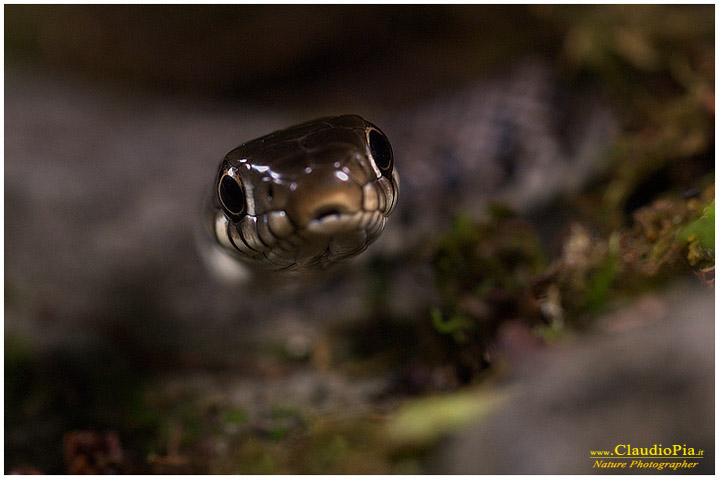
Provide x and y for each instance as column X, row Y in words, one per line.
column 332, row 221
column 328, row 211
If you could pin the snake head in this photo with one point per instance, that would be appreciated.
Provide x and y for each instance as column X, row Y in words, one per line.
column 307, row 197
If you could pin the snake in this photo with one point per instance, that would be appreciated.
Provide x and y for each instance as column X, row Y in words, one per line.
column 314, row 195
column 305, row 198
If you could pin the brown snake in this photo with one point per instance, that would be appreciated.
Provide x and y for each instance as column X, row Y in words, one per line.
column 304, row 198
column 310, row 196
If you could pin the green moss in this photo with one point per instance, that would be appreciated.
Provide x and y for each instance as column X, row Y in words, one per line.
column 657, row 65
column 483, row 272
column 699, row 236
column 602, row 280
column 235, row 416
column 478, row 256
column 492, row 271
column 455, row 326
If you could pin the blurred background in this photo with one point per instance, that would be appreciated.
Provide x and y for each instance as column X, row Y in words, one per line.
column 123, row 356
column 270, row 54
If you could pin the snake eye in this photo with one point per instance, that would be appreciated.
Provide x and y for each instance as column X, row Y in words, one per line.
column 381, row 150
column 232, row 197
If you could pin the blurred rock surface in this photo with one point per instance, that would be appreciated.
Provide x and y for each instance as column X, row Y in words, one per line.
column 651, row 385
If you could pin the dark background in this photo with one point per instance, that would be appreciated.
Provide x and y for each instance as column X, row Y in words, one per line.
column 274, row 52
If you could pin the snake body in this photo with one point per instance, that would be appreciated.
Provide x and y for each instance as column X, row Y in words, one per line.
column 304, row 198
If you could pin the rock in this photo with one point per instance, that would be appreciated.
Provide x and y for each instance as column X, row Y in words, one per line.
column 652, row 385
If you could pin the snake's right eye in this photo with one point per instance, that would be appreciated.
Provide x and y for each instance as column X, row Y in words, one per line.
column 381, row 150
column 232, row 196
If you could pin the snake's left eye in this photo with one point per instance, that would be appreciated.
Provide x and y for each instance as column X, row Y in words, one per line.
column 232, row 196
column 380, row 150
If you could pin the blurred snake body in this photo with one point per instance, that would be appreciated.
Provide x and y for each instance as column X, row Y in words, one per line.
column 304, row 198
